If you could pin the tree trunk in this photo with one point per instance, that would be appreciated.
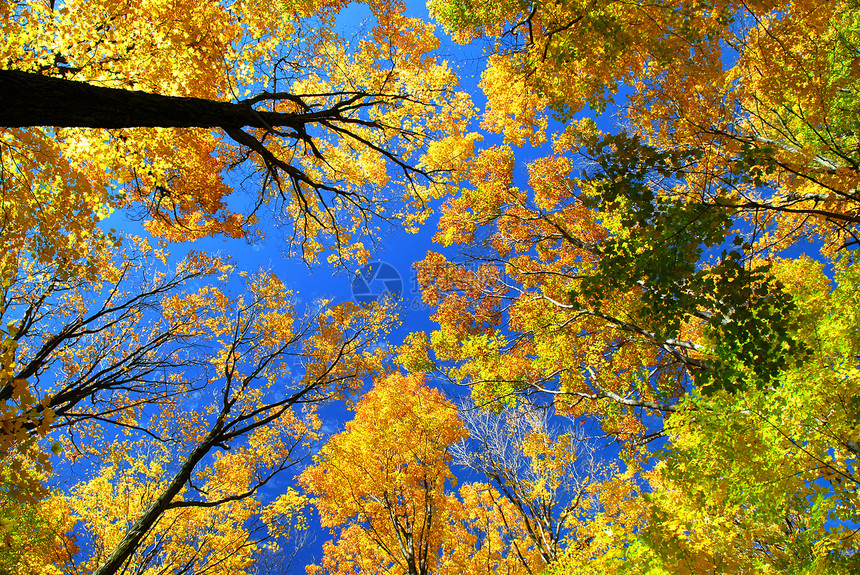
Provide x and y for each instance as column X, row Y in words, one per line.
column 28, row 99
column 132, row 539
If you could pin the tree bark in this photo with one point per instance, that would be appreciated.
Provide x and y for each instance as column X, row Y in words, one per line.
column 28, row 99
column 132, row 539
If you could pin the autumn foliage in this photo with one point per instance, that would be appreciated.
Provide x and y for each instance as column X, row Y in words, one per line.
column 644, row 357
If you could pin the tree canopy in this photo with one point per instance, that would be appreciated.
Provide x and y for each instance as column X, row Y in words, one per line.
column 645, row 350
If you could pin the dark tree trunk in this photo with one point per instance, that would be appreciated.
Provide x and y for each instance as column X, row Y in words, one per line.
column 28, row 99
column 132, row 539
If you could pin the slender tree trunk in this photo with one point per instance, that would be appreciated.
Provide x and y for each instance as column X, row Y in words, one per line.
column 132, row 539
column 28, row 99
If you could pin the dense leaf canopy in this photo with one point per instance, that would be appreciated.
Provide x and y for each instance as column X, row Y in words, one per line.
column 644, row 356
